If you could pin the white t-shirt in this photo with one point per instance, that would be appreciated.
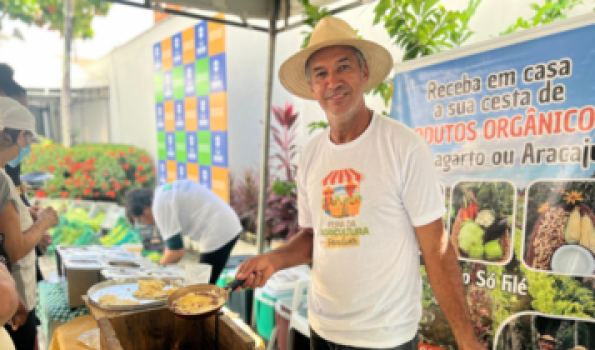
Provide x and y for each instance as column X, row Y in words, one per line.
column 363, row 200
column 188, row 208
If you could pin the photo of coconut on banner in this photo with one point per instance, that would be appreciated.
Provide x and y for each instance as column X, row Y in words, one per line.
column 536, row 331
column 482, row 215
column 559, row 227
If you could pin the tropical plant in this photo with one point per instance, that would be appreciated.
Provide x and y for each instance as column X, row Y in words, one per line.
column 49, row 14
column 282, row 212
column 244, row 198
column 549, row 12
column 284, row 138
column 312, row 14
column 421, row 28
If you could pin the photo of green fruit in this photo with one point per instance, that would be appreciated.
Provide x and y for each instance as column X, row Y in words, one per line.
column 482, row 217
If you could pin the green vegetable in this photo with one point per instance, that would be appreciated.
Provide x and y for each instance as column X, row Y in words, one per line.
column 493, row 250
column 471, row 235
column 476, row 252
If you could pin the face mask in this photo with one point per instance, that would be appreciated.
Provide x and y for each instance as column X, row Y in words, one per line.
column 22, row 154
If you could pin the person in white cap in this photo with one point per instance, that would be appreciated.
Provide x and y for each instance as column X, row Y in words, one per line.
column 19, row 235
column 369, row 200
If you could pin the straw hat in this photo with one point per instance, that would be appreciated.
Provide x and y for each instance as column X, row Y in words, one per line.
column 14, row 116
column 578, row 347
column 548, row 338
column 331, row 31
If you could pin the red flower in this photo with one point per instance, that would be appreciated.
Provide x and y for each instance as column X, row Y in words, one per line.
column 105, row 172
column 61, row 163
column 91, row 160
column 67, row 159
column 40, row 194
column 78, row 198
column 140, row 168
column 51, row 168
column 51, row 9
column 122, row 154
column 87, row 191
column 126, row 182
column 63, row 194
column 96, row 194
column 104, row 185
column 125, row 166
column 142, row 179
column 42, row 168
column 53, row 188
column 92, row 183
column 131, row 150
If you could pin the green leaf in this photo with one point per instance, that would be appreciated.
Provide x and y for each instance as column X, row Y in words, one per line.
column 428, row 4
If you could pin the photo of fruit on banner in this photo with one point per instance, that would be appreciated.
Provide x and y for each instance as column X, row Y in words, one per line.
column 533, row 331
column 482, row 214
column 559, row 228
column 493, row 297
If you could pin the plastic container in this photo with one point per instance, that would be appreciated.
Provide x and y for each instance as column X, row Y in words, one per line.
column 573, row 259
column 266, row 299
column 282, row 318
column 195, row 273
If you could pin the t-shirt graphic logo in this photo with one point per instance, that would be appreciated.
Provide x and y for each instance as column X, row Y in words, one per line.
column 341, row 193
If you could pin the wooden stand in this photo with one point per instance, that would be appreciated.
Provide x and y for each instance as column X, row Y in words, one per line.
column 160, row 329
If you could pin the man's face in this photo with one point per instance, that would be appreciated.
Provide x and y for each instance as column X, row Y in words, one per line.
column 146, row 218
column 546, row 345
column 337, row 81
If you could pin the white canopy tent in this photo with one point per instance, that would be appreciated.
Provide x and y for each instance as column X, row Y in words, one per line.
column 250, row 14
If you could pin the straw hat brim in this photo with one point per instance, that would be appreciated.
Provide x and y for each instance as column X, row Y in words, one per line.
column 292, row 73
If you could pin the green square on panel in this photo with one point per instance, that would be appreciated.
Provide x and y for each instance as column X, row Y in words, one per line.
column 204, row 147
column 161, row 146
column 158, row 84
column 178, row 78
column 202, row 77
column 181, row 146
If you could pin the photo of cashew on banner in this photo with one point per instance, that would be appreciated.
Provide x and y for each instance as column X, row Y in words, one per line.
column 511, row 127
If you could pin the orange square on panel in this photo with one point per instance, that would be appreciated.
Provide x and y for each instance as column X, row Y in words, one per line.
column 218, row 105
column 220, row 182
column 166, row 57
column 172, row 171
column 188, row 46
column 190, row 113
column 169, row 116
column 192, row 172
column 216, row 37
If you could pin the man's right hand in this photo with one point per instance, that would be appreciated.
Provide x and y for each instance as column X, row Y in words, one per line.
column 49, row 217
column 257, row 270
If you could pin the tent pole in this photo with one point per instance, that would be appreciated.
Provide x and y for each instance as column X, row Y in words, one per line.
column 264, row 162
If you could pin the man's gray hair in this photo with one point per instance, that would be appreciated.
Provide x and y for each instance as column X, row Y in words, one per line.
column 361, row 59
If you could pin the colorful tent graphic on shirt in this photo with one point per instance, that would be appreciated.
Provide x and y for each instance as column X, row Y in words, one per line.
column 191, row 107
column 341, row 194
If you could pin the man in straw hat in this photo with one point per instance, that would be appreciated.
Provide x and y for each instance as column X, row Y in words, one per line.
column 546, row 342
column 366, row 286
